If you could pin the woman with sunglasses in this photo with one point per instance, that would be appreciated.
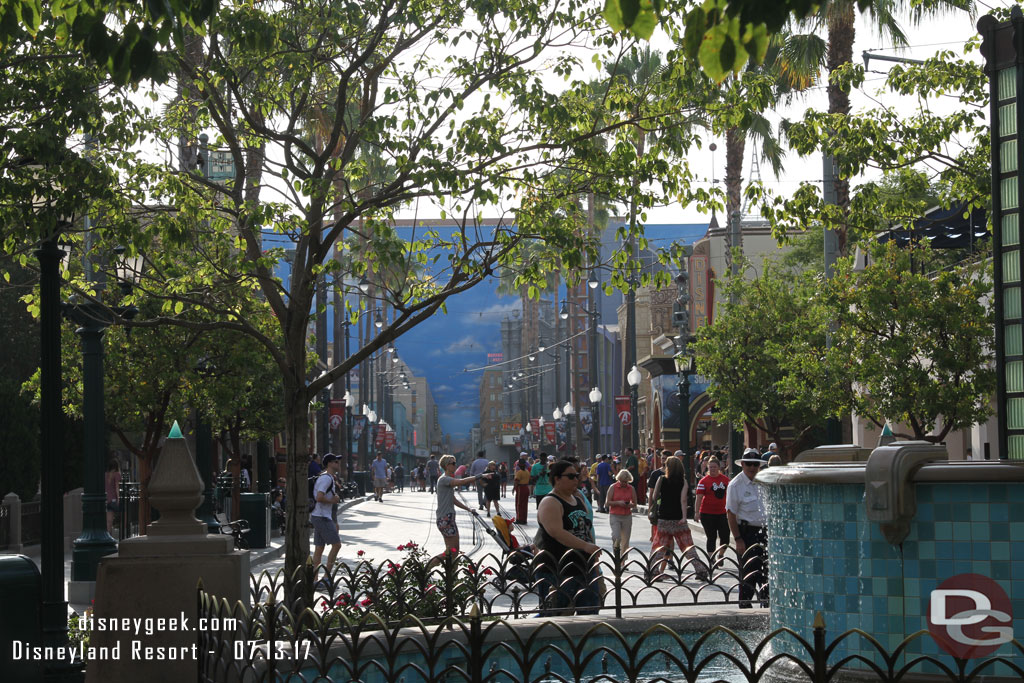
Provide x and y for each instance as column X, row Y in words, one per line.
column 564, row 565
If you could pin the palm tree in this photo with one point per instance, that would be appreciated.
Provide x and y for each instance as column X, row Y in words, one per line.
column 838, row 17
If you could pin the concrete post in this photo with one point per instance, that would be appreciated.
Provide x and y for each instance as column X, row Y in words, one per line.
column 13, row 504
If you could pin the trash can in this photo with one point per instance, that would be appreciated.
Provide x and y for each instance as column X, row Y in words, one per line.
column 255, row 509
column 21, row 596
column 362, row 480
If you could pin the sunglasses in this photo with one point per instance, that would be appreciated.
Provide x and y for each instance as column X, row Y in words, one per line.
column 751, row 464
column 571, row 475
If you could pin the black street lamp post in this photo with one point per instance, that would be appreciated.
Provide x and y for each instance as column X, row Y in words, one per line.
column 93, row 318
column 54, row 608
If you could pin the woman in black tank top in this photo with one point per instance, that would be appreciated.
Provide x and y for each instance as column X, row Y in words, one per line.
column 564, row 579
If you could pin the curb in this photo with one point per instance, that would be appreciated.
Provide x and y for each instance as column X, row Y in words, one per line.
column 265, row 555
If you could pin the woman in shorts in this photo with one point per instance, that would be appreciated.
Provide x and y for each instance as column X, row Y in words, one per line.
column 446, row 501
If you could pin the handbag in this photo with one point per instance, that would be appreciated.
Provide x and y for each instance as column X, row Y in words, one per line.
column 652, row 512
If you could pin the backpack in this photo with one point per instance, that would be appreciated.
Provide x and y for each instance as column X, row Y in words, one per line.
column 312, row 485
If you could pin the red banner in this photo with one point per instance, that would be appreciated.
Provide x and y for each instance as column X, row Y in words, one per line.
column 337, row 412
column 623, row 409
column 549, row 432
column 535, row 425
column 379, row 435
column 390, row 440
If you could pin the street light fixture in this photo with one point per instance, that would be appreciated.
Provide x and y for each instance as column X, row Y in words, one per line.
column 557, row 414
column 364, row 285
column 633, row 378
column 378, row 321
column 592, row 281
column 563, row 313
column 595, row 395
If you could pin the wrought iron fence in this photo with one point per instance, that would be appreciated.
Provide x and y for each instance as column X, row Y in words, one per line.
column 272, row 644
column 31, row 523
column 517, row 584
column 128, row 494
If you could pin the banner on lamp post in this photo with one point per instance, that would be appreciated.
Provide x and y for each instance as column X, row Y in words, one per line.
column 622, row 407
column 358, row 425
column 549, row 432
column 535, row 426
column 337, row 412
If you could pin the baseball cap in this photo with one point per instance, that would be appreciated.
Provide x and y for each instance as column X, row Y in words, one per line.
column 751, row 455
column 329, row 458
column 773, row 446
column 551, row 458
column 523, row 454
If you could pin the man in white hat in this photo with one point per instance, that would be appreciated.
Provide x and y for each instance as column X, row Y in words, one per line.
column 744, row 507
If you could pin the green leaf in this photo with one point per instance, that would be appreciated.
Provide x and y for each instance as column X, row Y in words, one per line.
column 613, row 15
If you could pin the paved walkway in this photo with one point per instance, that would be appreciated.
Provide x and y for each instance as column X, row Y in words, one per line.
column 378, row 528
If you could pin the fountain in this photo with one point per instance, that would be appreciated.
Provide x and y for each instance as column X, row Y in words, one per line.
column 872, row 545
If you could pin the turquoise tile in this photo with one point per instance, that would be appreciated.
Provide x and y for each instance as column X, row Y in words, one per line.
column 927, row 569
column 943, row 531
column 911, row 587
column 979, row 512
column 943, row 551
column 925, row 531
column 962, row 531
column 1000, row 571
column 943, row 512
column 926, row 550
column 999, row 532
column 980, row 551
column 1016, row 531
column 997, row 493
column 982, row 567
column 924, row 493
column 998, row 513
column 850, row 511
column 980, row 531
column 925, row 512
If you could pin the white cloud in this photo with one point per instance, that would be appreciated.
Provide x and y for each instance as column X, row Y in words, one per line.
column 492, row 314
column 467, row 343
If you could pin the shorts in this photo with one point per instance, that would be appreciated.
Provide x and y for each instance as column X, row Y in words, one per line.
column 447, row 526
column 380, row 483
column 324, row 532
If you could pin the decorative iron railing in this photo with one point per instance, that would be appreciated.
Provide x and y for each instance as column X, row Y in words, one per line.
column 272, row 644
column 517, row 584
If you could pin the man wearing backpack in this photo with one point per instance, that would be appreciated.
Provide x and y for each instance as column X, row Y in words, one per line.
column 325, row 527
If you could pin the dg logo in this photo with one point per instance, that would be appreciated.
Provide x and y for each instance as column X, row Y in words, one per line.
column 970, row 616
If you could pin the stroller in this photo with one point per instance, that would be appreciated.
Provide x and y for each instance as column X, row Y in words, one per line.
column 517, row 557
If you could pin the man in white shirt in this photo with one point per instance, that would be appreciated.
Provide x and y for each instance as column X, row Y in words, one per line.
column 379, row 471
column 325, row 527
column 745, row 510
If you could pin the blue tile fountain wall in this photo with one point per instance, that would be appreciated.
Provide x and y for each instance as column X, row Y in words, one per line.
column 826, row 557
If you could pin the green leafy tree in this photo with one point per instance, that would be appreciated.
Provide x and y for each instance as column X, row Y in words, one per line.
column 766, row 357
column 917, row 343
column 489, row 130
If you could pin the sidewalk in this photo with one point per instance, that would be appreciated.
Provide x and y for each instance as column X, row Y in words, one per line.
column 258, row 558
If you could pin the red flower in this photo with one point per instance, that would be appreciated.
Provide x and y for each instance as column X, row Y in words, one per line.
column 361, row 553
column 488, row 571
column 365, row 602
column 401, row 547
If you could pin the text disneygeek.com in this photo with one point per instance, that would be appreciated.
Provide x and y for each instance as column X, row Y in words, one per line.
column 134, row 649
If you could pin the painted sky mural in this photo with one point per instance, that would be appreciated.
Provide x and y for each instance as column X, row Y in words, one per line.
column 447, row 347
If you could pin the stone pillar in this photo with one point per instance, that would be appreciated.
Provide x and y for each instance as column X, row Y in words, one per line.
column 155, row 576
column 72, row 516
column 13, row 504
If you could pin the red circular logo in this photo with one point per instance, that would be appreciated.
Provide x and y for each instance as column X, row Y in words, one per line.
column 970, row 616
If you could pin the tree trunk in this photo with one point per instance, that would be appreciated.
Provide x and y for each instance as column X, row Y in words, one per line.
column 735, row 145
column 296, row 493
column 841, row 33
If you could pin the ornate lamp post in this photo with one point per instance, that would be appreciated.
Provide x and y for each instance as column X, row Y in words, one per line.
column 568, row 410
column 595, row 407
column 634, row 378
column 93, row 318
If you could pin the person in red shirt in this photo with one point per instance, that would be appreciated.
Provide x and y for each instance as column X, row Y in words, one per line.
column 710, row 506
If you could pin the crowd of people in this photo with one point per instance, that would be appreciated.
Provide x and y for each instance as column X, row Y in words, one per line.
column 566, row 493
